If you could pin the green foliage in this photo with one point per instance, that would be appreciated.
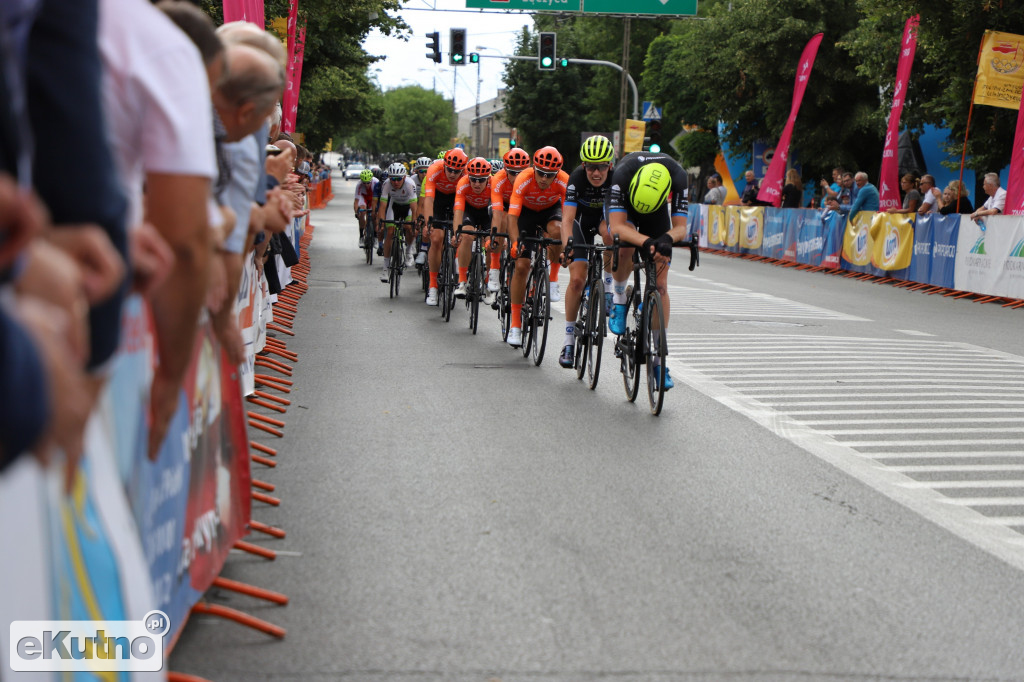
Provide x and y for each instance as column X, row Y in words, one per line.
column 412, row 121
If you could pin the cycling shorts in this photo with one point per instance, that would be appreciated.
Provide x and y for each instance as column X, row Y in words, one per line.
column 397, row 211
column 535, row 224
column 648, row 224
column 444, row 206
column 479, row 218
column 584, row 229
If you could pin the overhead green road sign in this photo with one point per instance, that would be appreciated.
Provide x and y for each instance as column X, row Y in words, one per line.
column 528, row 5
column 663, row 7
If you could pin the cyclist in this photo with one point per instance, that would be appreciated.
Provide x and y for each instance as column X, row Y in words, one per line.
column 516, row 160
column 496, row 165
column 397, row 199
column 472, row 198
column 582, row 219
column 364, row 199
column 639, row 214
column 439, row 199
column 381, row 177
column 534, row 210
column 419, row 175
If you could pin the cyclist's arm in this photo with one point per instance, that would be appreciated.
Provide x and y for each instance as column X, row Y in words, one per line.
column 568, row 218
column 620, row 227
column 679, row 230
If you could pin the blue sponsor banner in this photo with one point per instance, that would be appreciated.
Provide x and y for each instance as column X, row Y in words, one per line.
column 833, row 226
column 810, row 241
column 790, row 234
column 920, row 264
column 945, row 232
column 774, row 243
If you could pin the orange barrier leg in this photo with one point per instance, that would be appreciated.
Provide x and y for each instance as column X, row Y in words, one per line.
column 278, row 328
column 240, row 618
column 263, row 403
column 264, row 528
column 182, row 677
column 266, row 499
column 285, row 382
column 272, row 422
column 250, row 590
column 267, row 365
column 288, row 355
column 268, row 396
column 263, row 448
column 263, row 485
column 263, row 460
column 255, row 549
column 261, row 427
column 271, row 383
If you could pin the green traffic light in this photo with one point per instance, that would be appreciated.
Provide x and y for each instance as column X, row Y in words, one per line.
column 456, row 57
column 545, row 62
column 563, row 62
column 655, row 147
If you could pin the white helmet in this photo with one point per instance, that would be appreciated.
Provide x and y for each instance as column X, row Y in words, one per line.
column 396, row 171
column 422, row 163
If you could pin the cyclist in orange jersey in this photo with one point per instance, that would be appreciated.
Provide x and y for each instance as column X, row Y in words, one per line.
column 472, row 199
column 515, row 161
column 535, row 209
column 438, row 202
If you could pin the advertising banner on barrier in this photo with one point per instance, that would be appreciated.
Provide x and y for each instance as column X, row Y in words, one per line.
column 892, row 242
column 945, row 232
column 717, row 228
column 857, row 243
column 809, row 236
column 699, row 225
column 750, row 228
column 990, row 257
column 833, row 226
column 732, row 227
column 773, row 245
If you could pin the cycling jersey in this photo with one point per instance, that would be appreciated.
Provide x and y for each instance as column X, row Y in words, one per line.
column 527, row 194
column 437, row 181
column 583, row 195
column 364, row 193
column 377, row 186
column 629, row 166
column 501, row 190
column 464, row 194
column 405, row 194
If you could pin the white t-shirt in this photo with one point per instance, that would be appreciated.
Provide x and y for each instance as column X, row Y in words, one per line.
column 156, row 98
column 929, row 201
column 997, row 200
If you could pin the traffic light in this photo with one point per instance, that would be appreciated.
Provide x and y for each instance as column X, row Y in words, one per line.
column 457, row 52
column 513, row 137
column 434, row 46
column 653, row 138
column 474, row 57
column 546, row 51
column 563, row 62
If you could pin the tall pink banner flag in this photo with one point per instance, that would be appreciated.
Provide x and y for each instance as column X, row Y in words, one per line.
column 244, row 10
column 1015, row 183
column 889, row 178
column 771, row 188
column 291, row 92
column 300, row 50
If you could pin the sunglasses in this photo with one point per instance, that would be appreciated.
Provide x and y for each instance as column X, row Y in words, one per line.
column 475, row 180
column 544, row 174
column 595, row 167
column 421, row 171
column 453, row 171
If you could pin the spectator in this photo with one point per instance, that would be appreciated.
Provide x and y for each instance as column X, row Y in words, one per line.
column 866, row 199
column 716, row 193
column 846, row 190
column 158, row 106
column 911, row 197
column 930, row 195
column 793, row 192
column 996, row 201
column 831, row 190
column 954, row 199
column 749, row 195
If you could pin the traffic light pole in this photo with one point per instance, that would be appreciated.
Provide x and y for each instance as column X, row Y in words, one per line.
column 595, row 62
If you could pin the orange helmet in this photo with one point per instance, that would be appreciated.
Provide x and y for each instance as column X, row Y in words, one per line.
column 455, row 159
column 479, row 167
column 517, row 159
column 547, row 159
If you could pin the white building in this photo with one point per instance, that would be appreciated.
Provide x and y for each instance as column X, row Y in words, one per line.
column 484, row 131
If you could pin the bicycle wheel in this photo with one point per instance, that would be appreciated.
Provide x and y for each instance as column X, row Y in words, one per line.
column 368, row 244
column 595, row 333
column 655, row 349
column 451, row 280
column 629, row 345
column 443, row 273
column 392, row 281
column 541, row 314
column 504, row 298
column 473, row 295
column 529, row 329
column 579, row 335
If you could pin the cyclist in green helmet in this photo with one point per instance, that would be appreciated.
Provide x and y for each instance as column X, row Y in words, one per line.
column 363, row 202
column 646, row 206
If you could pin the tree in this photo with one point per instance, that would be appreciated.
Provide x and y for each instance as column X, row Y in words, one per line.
column 413, row 122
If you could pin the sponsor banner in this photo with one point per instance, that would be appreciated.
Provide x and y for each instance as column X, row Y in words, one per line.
column 750, row 225
column 732, row 227
column 892, row 237
column 945, row 231
column 1000, row 70
column 716, row 226
column 990, row 256
column 857, row 243
column 889, row 176
column 773, row 245
column 791, row 235
column 833, row 226
column 810, row 236
column 921, row 263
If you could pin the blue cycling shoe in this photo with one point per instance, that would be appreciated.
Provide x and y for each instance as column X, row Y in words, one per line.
column 617, row 319
column 668, row 379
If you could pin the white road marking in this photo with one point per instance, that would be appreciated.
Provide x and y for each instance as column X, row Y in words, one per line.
column 912, row 332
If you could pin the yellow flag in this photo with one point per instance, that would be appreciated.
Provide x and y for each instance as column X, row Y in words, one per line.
column 634, row 140
column 892, row 240
column 503, row 146
column 1000, row 70
column 857, row 239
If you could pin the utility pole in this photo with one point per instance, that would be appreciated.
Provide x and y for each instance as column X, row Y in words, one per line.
column 476, row 129
column 623, row 91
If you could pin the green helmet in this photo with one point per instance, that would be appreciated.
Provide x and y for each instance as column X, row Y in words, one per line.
column 596, row 149
column 649, row 187
column 366, row 175
column 441, row 153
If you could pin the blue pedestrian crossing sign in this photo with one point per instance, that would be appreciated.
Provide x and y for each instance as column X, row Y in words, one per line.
column 651, row 112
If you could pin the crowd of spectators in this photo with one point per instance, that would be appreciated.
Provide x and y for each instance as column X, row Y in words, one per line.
column 165, row 186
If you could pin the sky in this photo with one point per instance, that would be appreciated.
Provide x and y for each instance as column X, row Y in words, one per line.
column 407, row 64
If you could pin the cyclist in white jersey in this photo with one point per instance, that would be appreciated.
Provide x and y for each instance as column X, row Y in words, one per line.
column 398, row 198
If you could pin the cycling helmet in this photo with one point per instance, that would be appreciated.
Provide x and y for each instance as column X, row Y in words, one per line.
column 366, row 175
column 649, row 187
column 380, row 174
column 596, row 149
column 455, row 159
column 547, row 159
column 422, row 163
column 516, row 159
column 479, row 168
column 397, row 171
column 441, row 153
column 496, row 165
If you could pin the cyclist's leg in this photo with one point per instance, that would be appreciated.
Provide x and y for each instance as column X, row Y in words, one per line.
column 574, row 293
column 465, row 247
column 620, row 282
column 655, row 225
column 528, row 227
column 607, row 277
column 553, row 230
column 388, row 237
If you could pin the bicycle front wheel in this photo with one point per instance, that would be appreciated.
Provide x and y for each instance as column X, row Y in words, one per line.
column 656, row 350
column 595, row 333
column 580, row 337
column 541, row 314
column 473, row 297
column 630, row 347
column 529, row 328
column 443, row 276
column 504, row 299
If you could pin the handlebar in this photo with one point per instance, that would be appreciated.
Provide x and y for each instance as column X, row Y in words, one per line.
column 691, row 244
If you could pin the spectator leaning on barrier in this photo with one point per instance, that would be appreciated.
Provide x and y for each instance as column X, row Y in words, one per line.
column 948, row 201
column 930, row 195
column 749, row 195
column 867, row 196
column 793, row 191
column 716, row 192
column 911, row 197
column 847, row 189
column 996, row 202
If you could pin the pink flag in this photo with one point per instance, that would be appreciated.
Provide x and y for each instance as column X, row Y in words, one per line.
column 300, row 50
column 244, row 10
column 291, row 92
column 1015, row 183
column 889, row 180
column 771, row 188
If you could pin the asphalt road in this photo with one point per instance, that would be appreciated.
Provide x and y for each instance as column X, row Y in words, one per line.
column 834, row 490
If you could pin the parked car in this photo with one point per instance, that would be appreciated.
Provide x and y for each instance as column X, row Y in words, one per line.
column 352, row 171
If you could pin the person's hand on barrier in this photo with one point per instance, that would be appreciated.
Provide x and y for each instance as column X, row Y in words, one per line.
column 52, row 276
column 163, row 403
column 101, row 266
column 151, row 258
column 71, row 400
column 228, row 222
column 280, row 166
column 225, row 328
column 22, row 218
column 278, row 211
column 217, row 284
